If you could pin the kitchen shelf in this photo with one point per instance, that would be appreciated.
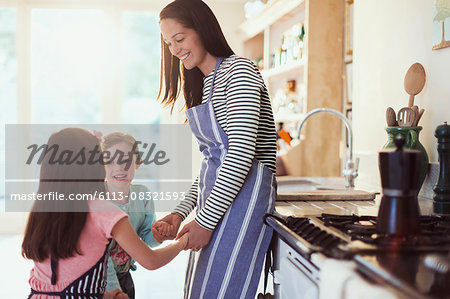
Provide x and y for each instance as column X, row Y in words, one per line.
column 273, row 12
column 292, row 69
column 315, row 52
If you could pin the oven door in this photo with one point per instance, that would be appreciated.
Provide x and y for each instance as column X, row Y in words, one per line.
column 294, row 276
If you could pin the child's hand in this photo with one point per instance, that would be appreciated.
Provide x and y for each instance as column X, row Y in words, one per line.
column 184, row 240
column 164, row 228
column 172, row 219
column 116, row 294
column 163, row 231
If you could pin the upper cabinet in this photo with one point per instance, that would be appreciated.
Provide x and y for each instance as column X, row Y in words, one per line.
column 298, row 46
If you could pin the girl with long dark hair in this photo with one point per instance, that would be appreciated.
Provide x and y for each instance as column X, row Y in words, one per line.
column 229, row 112
column 68, row 239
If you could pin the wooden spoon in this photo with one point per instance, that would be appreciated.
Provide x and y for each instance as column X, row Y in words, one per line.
column 414, row 81
column 391, row 118
column 415, row 108
column 406, row 117
column 420, row 116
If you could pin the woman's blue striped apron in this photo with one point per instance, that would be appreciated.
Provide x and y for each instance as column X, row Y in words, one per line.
column 230, row 265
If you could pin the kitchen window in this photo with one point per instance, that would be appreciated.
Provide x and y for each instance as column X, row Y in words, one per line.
column 68, row 62
column 141, row 55
column 8, row 80
column 78, row 62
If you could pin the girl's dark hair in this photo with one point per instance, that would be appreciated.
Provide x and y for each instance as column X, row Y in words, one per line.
column 54, row 226
column 194, row 14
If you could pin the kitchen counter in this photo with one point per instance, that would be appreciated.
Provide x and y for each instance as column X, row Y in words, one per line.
column 316, row 208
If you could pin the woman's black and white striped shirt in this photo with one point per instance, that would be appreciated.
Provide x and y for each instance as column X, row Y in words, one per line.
column 242, row 108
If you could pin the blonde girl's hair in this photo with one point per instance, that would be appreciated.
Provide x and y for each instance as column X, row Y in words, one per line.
column 118, row 137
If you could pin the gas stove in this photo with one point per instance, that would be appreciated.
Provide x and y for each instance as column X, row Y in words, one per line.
column 434, row 234
column 417, row 265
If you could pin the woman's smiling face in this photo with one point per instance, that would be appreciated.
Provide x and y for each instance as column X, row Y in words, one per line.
column 183, row 43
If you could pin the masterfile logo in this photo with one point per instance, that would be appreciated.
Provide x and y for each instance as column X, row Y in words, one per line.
column 163, row 152
column 96, row 155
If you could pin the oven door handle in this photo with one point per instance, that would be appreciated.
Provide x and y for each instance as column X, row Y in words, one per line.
column 311, row 276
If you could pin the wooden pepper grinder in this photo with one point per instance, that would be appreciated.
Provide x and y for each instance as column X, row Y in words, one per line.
column 441, row 198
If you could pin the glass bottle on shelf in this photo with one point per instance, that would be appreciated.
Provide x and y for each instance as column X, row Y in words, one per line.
column 279, row 102
column 300, row 38
column 277, row 58
column 292, row 98
column 295, row 42
column 283, row 54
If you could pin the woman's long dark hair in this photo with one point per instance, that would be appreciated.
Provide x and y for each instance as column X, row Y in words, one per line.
column 194, row 14
column 54, row 227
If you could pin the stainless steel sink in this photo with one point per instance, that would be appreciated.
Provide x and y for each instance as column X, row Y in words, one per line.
column 294, row 184
column 318, row 188
column 299, row 184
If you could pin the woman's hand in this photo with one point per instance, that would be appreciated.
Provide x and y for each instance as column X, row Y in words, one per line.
column 116, row 294
column 166, row 228
column 199, row 237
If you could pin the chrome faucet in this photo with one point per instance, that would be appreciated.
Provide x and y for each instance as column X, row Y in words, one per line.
column 350, row 171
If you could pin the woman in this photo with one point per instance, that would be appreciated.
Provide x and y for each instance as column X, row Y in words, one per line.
column 229, row 112
column 68, row 239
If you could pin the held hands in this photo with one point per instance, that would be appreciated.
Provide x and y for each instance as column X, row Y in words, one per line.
column 166, row 228
column 184, row 240
column 116, row 294
column 199, row 237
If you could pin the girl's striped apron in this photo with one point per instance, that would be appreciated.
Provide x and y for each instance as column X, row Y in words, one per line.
column 92, row 284
column 230, row 265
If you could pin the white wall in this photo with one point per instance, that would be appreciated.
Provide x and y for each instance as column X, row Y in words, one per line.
column 389, row 36
column 230, row 15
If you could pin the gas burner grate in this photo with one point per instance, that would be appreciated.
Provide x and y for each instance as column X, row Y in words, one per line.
column 435, row 230
column 314, row 235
